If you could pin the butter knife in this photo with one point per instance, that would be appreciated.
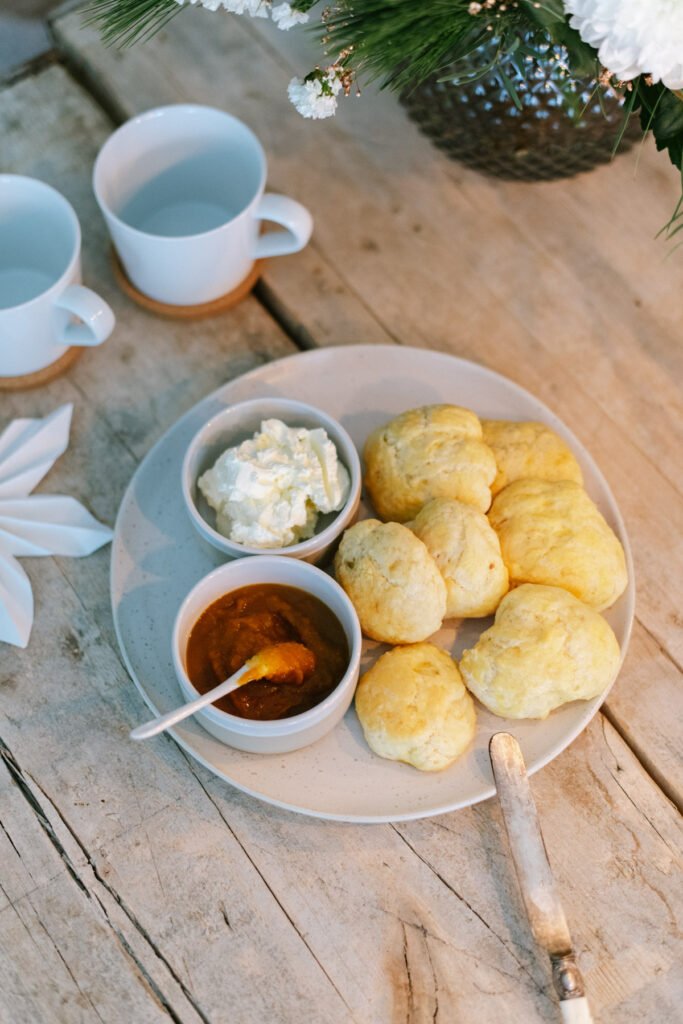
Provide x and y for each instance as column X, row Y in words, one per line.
column 536, row 881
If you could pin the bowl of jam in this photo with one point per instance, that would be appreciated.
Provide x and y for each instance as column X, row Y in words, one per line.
column 250, row 605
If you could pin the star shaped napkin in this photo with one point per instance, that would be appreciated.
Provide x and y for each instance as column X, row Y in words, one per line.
column 39, row 524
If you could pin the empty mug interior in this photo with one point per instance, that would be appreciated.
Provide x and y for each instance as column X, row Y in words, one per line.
column 180, row 171
column 38, row 237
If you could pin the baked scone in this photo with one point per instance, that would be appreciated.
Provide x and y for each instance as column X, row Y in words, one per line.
column 392, row 580
column 466, row 549
column 413, row 707
column 432, row 452
column 544, row 649
column 528, row 449
column 551, row 532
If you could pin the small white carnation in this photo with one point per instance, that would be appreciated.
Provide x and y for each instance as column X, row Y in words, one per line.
column 256, row 8
column 633, row 37
column 210, row 5
column 285, row 17
column 315, row 95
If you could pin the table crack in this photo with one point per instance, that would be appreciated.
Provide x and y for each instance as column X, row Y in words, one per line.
column 66, row 965
column 10, row 840
column 411, row 1000
column 258, row 871
column 434, row 978
column 522, row 966
column 20, row 778
column 641, row 812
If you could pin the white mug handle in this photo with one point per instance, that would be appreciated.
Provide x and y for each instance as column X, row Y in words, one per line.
column 291, row 215
column 97, row 318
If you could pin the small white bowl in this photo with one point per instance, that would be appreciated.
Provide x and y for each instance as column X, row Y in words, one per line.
column 235, row 424
column 284, row 734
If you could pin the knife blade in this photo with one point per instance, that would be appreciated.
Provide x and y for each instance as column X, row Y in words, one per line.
column 539, row 892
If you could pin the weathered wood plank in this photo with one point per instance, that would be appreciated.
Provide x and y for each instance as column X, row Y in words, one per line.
column 181, row 852
column 576, row 261
column 549, row 284
column 52, row 130
column 596, row 268
column 141, row 838
column 548, row 255
column 118, row 414
column 643, row 706
column 218, row 892
column 439, row 899
column 127, row 392
column 65, row 955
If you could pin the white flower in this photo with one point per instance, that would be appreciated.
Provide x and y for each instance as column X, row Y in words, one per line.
column 315, row 95
column 633, row 37
column 256, row 8
column 284, row 17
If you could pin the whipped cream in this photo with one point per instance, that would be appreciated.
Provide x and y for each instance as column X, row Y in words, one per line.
column 268, row 491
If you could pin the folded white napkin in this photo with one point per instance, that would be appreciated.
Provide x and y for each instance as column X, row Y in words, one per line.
column 39, row 524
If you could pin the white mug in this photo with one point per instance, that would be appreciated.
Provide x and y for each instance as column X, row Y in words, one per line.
column 40, row 273
column 182, row 191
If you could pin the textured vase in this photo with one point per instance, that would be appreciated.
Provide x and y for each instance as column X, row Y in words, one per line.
column 565, row 125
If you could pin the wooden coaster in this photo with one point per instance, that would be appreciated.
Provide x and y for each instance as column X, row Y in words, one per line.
column 48, row 373
column 199, row 312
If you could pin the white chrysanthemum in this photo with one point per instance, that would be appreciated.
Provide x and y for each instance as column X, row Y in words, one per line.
column 315, row 95
column 634, row 37
column 256, row 8
column 285, row 17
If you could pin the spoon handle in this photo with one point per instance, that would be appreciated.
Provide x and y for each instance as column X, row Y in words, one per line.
column 157, row 725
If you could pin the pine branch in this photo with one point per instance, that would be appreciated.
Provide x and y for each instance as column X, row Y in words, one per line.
column 403, row 42
column 125, row 22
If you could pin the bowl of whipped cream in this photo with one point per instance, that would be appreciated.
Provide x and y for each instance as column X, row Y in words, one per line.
column 272, row 476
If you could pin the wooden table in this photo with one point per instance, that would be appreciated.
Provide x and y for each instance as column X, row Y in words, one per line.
column 136, row 887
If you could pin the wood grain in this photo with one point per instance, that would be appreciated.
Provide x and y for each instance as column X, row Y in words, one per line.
column 26, row 381
column 229, row 891
column 199, row 312
column 144, row 887
column 561, row 286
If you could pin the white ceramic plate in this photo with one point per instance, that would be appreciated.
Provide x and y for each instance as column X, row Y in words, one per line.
column 157, row 557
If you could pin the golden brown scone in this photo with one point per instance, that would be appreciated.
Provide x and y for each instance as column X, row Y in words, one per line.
column 551, row 532
column 544, row 649
column 413, row 707
column 524, row 450
column 466, row 549
column 392, row 580
column 432, row 452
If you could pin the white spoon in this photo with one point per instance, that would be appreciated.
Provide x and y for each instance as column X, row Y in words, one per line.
column 281, row 663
